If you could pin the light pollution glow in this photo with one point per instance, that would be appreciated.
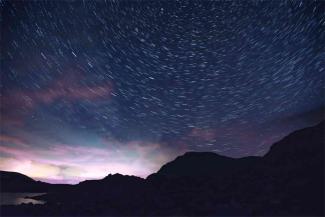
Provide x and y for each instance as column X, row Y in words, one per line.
column 72, row 164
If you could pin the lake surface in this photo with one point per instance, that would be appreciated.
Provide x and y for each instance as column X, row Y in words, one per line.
column 19, row 198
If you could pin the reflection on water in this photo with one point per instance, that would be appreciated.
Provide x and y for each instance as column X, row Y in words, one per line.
column 19, row 198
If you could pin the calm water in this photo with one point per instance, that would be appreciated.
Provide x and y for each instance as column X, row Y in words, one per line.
column 19, row 198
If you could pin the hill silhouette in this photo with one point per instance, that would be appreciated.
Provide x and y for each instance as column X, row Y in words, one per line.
column 287, row 181
column 17, row 182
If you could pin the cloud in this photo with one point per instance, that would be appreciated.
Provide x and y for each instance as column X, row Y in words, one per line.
column 61, row 89
column 312, row 116
column 11, row 140
column 203, row 134
column 29, row 167
column 63, row 162
column 16, row 104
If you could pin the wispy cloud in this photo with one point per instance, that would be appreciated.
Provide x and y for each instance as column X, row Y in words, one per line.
column 12, row 139
column 75, row 163
column 16, row 103
column 60, row 89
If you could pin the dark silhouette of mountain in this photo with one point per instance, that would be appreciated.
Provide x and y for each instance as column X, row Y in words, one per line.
column 17, row 182
column 287, row 181
column 204, row 164
column 116, row 180
column 306, row 144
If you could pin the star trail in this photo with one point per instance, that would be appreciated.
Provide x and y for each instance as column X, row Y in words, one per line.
column 96, row 87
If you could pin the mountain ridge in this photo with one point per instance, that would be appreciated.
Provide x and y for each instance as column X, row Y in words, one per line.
column 190, row 154
column 287, row 181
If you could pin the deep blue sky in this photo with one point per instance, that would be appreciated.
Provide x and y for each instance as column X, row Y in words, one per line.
column 93, row 87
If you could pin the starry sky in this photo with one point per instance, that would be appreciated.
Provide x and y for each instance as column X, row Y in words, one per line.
column 90, row 88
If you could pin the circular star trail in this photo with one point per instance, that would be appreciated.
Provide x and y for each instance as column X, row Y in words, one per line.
column 129, row 85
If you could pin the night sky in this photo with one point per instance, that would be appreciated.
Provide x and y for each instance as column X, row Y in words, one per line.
column 90, row 88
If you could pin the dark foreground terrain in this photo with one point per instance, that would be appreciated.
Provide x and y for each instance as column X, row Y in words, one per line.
column 287, row 181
